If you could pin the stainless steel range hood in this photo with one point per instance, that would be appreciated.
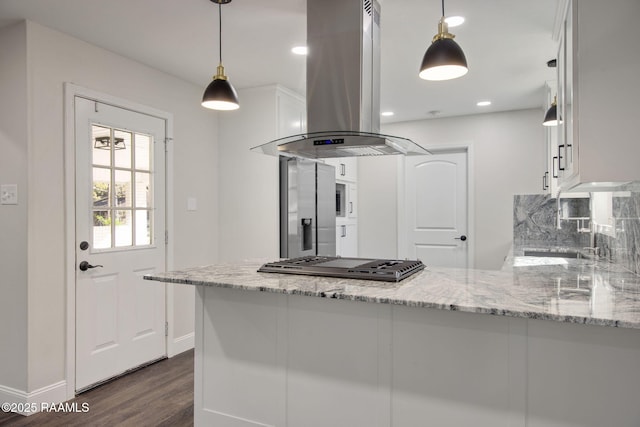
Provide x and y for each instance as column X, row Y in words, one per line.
column 343, row 86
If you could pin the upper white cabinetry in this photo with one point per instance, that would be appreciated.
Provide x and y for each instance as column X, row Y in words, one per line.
column 352, row 199
column 346, row 168
column 346, row 205
column 550, row 175
column 292, row 114
column 598, row 93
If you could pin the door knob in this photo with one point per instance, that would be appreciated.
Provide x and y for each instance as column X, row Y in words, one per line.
column 463, row 238
column 84, row 266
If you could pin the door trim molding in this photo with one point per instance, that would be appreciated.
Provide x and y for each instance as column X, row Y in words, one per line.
column 402, row 221
column 70, row 92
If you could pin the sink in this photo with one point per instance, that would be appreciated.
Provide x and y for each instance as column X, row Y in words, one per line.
column 555, row 254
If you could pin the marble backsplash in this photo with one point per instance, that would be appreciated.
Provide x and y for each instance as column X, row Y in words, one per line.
column 624, row 248
column 535, row 224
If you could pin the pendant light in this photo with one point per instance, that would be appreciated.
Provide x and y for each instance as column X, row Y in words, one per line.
column 444, row 59
column 551, row 118
column 220, row 94
column 104, row 143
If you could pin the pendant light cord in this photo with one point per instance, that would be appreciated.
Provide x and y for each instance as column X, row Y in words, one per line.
column 442, row 7
column 220, row 28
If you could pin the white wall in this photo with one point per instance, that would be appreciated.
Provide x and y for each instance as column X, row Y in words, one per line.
column 377, row 206
column 509, row 155
column 13, row 218
column 54, row 58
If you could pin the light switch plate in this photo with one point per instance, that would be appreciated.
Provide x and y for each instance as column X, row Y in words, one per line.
column 8, row 194
column 192, row 204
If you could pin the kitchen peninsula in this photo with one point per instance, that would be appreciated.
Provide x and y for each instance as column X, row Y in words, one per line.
column 545, row 342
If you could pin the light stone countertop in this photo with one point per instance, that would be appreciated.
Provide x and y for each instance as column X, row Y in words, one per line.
column 560, row 289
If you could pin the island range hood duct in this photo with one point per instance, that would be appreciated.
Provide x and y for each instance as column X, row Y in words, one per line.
column 343, row 86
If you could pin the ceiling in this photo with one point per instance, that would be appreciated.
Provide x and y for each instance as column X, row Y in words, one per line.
column 507, row 44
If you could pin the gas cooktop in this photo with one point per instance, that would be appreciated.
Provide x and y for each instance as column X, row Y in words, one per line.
column 387, row 270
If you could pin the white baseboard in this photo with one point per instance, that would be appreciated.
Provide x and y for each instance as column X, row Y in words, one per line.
column 30, row 403
column 182, row 344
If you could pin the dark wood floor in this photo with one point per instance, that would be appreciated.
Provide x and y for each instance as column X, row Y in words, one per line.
column 157, row 395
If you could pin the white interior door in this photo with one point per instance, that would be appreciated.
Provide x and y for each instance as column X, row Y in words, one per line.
column 120, row 228
column 436, row 209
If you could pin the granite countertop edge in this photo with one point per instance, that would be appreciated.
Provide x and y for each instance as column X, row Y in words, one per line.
column 411, row 292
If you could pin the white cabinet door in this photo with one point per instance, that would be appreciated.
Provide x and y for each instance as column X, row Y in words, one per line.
column 550, row 170
column 352, row 201
column 567, row 144
column 597, row 140
column 350, row 242
column 350, row 170
column 291, row 114
column 346, row 168
column 347, row 240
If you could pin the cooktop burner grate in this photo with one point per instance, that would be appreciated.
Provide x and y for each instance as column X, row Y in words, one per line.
column 387, row 270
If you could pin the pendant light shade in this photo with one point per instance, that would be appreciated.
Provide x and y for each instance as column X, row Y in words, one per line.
column 220, row 94
column 444, row 59
column 551, row 118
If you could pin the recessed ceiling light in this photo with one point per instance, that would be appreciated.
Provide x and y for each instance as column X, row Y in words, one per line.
column 483, row 103
column 300, row 50
column 454, row 21
column 387, row 113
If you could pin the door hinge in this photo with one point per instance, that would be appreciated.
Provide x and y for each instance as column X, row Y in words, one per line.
column 166, row 329
column 166, row 237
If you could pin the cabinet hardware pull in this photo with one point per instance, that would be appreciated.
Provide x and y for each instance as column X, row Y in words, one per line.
column 555, row 166
column 350, row 207
column 546, row 179
column 560, row 167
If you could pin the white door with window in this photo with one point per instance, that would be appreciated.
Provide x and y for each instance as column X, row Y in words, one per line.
column 120, row 236
column 436, row 197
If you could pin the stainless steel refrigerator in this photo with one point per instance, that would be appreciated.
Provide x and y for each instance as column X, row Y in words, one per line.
column 307, row 208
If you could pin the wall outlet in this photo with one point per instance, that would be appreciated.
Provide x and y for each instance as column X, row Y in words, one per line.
column 8, row 194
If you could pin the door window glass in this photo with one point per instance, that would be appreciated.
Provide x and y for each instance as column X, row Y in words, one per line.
column 121, row 148
column 122, row 188
column 143, row 151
